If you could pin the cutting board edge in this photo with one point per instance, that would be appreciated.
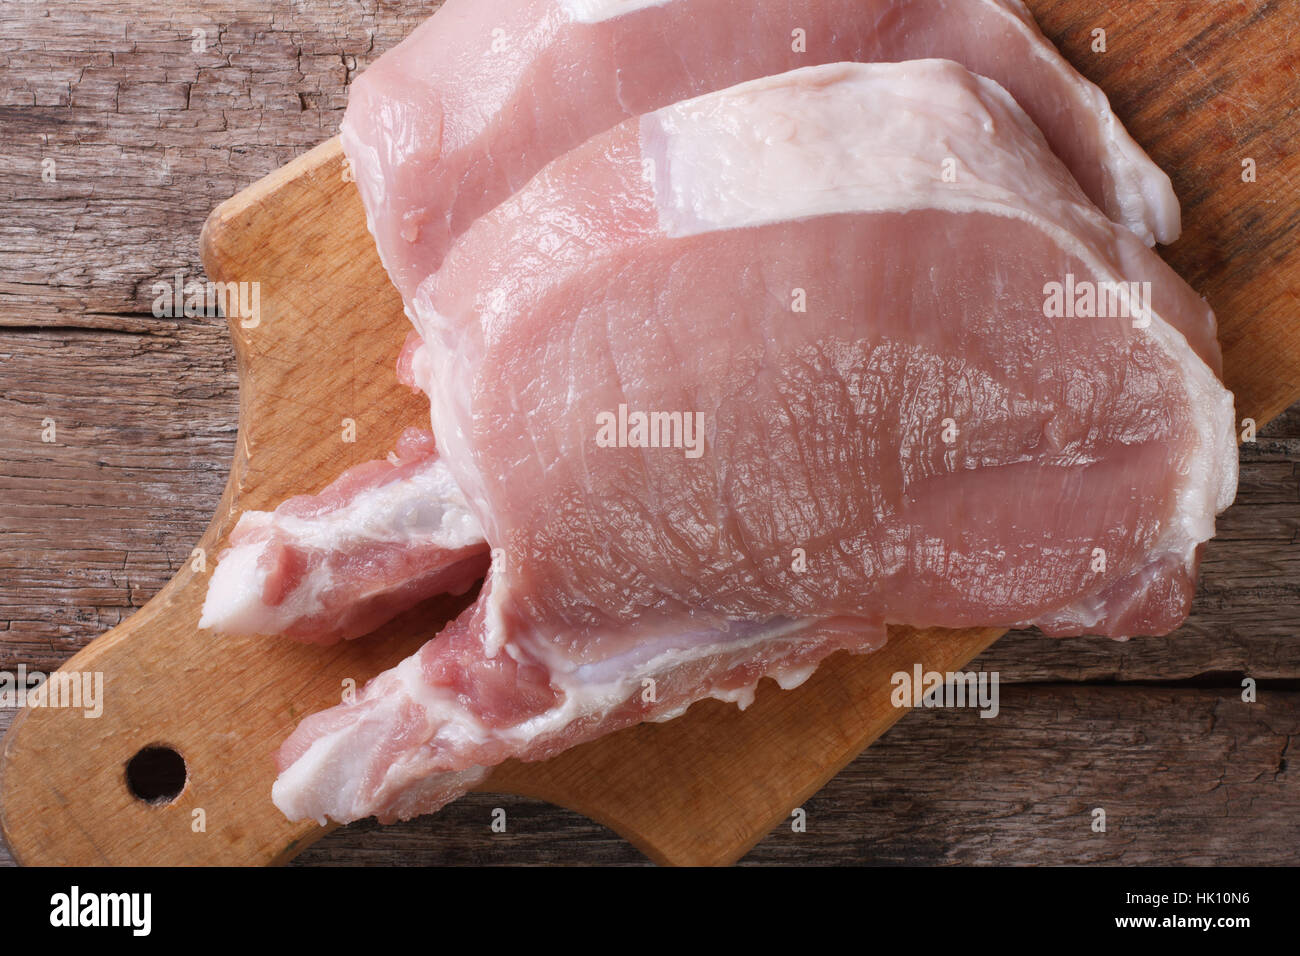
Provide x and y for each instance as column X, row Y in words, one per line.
column 11, row 739
column 235, row 212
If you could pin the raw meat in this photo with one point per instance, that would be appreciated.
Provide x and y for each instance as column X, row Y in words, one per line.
column 380, row 539
column 482, row 95
column 441, row 131
column 897, row 425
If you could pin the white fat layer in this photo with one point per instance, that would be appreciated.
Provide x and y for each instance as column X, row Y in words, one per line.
column 423, row 509
column 597, row 11
column 805, row 142
column 495, row 631
column 838, row 138
column 843, row 138
column 598, row 688
column 787, row 677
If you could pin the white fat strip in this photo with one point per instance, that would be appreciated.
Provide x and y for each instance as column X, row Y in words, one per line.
column 598, row 11
column 604, row 685
column 424, row 506
column 817, row 141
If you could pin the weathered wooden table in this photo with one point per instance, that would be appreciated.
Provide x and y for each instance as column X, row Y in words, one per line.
column 123, row 124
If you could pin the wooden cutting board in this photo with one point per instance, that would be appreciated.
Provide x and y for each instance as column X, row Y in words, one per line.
column 699, row 790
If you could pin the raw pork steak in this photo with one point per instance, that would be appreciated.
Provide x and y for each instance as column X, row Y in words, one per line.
column 457, row 117
column 828, row 294
column 483, row 94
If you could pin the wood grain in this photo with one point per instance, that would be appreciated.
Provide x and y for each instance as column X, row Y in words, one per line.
column 98, row 524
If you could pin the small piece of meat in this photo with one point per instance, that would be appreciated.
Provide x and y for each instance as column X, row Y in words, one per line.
column 321, row 568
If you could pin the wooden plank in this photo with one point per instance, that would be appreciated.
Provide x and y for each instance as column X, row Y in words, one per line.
column 95, row 522
column 147, row 134
column 1189, row 776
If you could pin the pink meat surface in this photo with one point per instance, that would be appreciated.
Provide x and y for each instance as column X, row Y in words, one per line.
column 481, row 96
column 866, row 412
column 320, row 568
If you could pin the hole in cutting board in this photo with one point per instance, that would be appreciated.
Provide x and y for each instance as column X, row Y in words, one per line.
column 156, row 774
